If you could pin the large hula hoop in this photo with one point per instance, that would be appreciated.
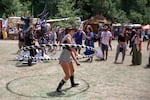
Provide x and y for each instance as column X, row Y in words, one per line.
column 58, row 45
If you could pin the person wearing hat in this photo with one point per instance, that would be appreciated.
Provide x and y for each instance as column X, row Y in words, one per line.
column 65, row 60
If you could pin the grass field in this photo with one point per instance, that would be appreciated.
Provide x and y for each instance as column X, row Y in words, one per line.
column 99, row 80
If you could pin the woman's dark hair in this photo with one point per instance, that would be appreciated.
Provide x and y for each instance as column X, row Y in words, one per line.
column 90, row 28
column 124, row 32
column 68, row 29
column 140, row 35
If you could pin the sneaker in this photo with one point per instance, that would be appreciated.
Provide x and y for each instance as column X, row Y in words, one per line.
column 102, row 59
column 75, row 85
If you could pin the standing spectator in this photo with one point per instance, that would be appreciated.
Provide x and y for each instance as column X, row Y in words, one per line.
column 0, row 33
column 137, row 56
column 99, row 50
column 132, row 41
column 89, row 41
column 54, row 36
column 121, row 47
column 63, row 33
column 15, row 33
column 78, row 39
column 100, row 30
column 105, row 37
column 128, row 33
column 109, row 29
column 4, row 33
column 115, row 33
column 58, row 32
column 148, row 48
column 20, row 39
column 119, row 31
column 29, row 40
column 143, row 35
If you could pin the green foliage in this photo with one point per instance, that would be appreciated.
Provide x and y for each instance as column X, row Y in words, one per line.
column 146, row 16
column 118, row 11
column 50, row 5
column 9, row 7
column 25, row 9
column 135, row 17
column 119, row 16
column 66, row 10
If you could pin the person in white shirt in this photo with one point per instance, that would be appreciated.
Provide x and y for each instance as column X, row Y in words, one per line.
column 105, row 38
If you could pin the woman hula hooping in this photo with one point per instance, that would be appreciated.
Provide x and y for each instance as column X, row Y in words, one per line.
column 65, row 60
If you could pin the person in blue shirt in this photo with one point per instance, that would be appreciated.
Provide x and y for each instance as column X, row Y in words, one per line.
column 78, row 39
column 89, row 41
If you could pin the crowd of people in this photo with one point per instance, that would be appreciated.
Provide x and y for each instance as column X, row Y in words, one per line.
column 127, row 37
column 45, row 34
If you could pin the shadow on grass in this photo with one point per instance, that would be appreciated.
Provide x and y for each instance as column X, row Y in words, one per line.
column 133, row 65
column 21, row 65
column 57, row 94
column 118, row 63
column 85, row 61
column 147, row 67
column 99, row 59
column 12, row 60
column 14, row 53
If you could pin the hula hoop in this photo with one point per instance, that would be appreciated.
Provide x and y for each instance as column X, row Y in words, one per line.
column 58, row 45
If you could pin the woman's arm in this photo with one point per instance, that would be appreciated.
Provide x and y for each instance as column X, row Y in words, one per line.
column 87, row 37
column 84, row 34
column 133, row 38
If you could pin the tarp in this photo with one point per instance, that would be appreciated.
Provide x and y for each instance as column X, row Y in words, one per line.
column 146, row 27
column 13, row 21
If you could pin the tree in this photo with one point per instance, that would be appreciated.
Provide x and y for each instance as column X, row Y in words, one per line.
column 85, row 8
column 66, row 10
column 122, row 11
column 146, row 16
column 25, row 8
column 9, row 7
column 50, row 5
column 135, row 17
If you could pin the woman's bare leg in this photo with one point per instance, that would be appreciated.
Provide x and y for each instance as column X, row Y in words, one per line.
column 73, row 84
column 66, row 69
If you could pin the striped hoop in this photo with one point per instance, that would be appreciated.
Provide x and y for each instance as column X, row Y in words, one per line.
column 58, row 45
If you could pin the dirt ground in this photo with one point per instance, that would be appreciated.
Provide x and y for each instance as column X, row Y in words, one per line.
column 99, row 80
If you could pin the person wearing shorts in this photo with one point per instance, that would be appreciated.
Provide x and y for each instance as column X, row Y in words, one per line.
column 66, row 60
column 105, row 38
